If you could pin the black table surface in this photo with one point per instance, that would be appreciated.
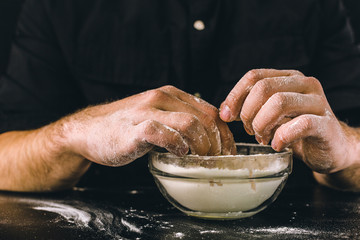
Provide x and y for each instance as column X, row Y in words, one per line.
column 302, row 211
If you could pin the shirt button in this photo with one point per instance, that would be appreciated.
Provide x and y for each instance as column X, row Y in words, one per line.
column 199, row 25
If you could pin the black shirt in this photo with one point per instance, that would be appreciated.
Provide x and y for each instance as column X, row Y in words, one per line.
column 72, row 53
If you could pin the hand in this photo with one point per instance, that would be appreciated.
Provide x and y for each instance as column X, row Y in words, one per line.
column 119, row 132
column 292, row 110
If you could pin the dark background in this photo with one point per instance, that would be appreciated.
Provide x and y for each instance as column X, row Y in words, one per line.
column 9, row 10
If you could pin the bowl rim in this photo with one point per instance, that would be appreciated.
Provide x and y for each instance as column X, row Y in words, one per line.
column 285, row 154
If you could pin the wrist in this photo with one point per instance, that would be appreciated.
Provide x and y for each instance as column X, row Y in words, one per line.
column 347, row 178
column 54, row 138
column 64, row 166
column 352, row 148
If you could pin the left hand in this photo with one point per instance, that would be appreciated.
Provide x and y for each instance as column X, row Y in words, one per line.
column 291, row 110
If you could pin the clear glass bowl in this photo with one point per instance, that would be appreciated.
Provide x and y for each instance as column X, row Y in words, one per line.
column 222, row 187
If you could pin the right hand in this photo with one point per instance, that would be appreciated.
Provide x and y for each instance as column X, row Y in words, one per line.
column 117, row 133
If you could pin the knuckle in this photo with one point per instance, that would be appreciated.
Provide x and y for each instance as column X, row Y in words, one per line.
column 155, row 95
column 213, row 112
column 252, row 74
column 232, row 97
column 279, row 99
column 245, row 118
column 209, row 109
column 189, row 122
column 149, row 127
column 209, row 121
column 169, row 88
column 257, row 126
column 296, row 72
column 323, row 101
column 282, row 137
column 306, row 122
column 314, row 82
column 174, row 140
column 262, row 87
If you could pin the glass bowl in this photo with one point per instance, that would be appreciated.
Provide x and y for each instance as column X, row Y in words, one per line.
column 222, row 187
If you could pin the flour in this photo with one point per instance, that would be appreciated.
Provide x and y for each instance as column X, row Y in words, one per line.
column 71, row 214
column 248, row 168
column 217, row 190
column 82, row 215
column 285, row 230
column 130, row 226
column 107, row 222
column 179, row 235
column 209, row 231
column 170, row 129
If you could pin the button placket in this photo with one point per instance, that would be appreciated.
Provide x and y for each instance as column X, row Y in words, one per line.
column 202, row 21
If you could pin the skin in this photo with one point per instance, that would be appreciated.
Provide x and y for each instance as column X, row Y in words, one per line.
column 283, row 106
column 55, row 156
column 291, row 110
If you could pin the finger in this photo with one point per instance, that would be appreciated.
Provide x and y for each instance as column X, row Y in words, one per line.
column 265, row 138
column 190, row 128
column 298, row 128
column 281, row 105
column 225, row 144
column 190, row 99
column 155, row 133
column 220, row 136
column 198, row 128
column 266, row 88
column 231, row 107
column 193, row 125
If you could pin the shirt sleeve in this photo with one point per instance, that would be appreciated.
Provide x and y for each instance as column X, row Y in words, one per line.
column 37, row 87
column 337, row 61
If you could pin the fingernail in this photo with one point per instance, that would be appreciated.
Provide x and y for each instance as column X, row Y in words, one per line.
column 226, row 152
column 234, row 150
column 265, row 141
column 274, row 146
column 184, row 151
column 258, row 139
column 225, row 113
column 249, row 131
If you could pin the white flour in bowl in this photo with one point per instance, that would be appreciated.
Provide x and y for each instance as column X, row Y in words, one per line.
column 206, row 191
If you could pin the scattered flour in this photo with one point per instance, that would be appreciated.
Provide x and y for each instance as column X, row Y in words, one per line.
column 209, row 231
column 130, row 226
column 285, row 230
column 179, row 235
column 71, row 214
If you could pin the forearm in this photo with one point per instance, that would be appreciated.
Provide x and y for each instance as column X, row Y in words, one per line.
column 112, row 134
column 38, row 160
column 347, row 179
